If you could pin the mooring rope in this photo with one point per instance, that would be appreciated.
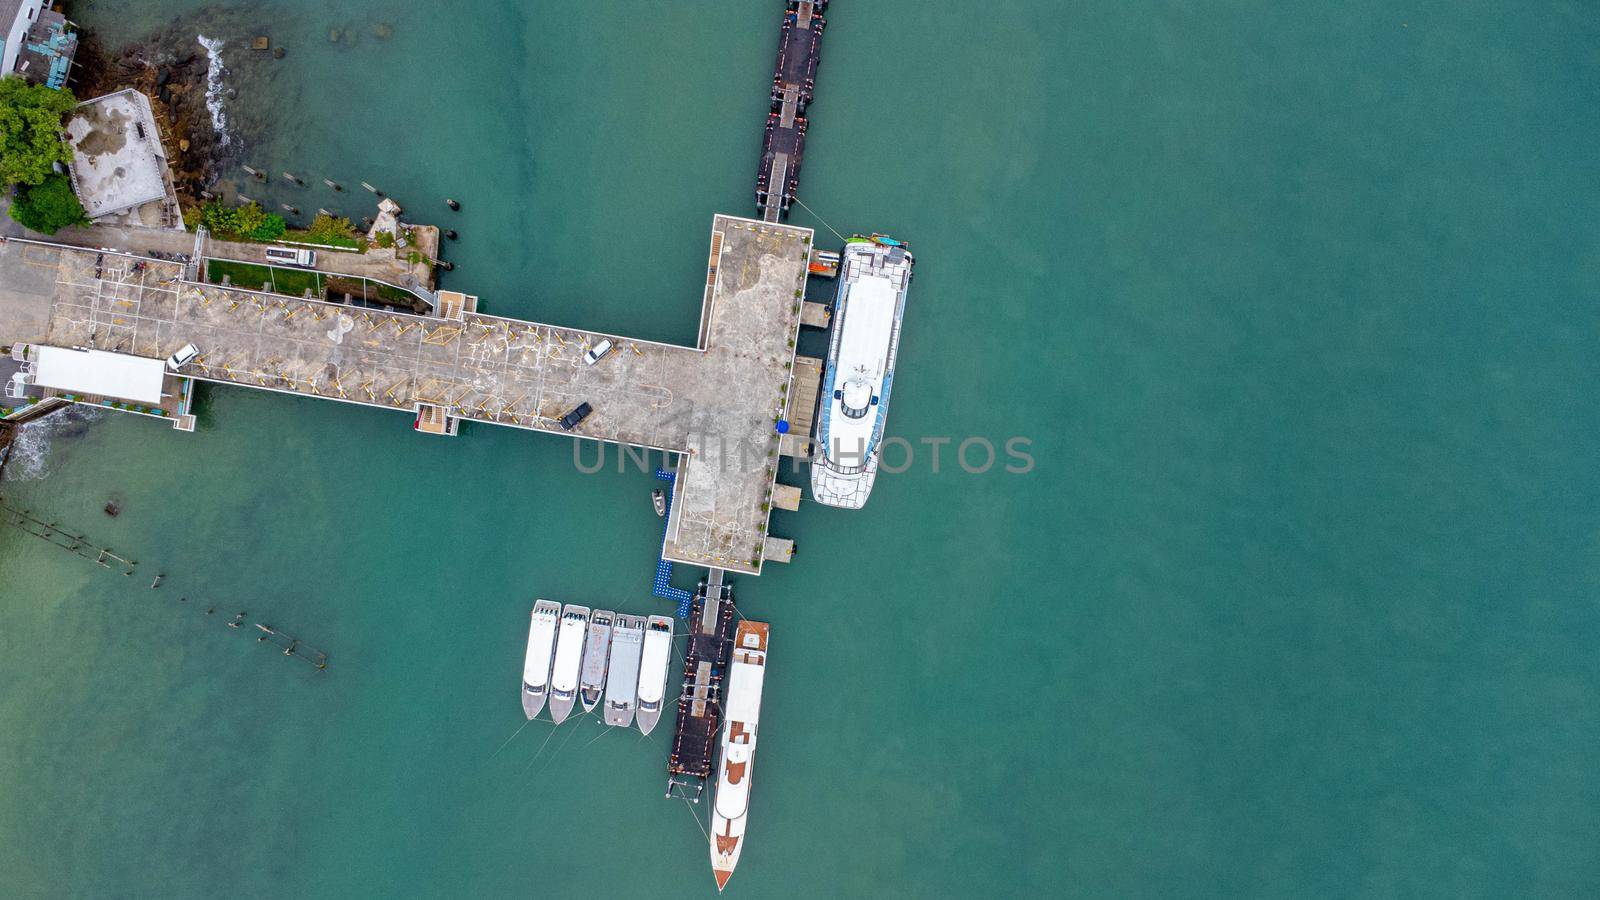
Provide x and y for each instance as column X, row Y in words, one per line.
column 842, row 238
column 696, row 817
column 510, row 739
column 540, row 751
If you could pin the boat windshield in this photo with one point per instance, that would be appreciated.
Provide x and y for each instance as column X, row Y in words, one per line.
column 856, row 399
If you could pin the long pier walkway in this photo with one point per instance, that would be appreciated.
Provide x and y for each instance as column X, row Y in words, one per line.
column 794, row 81
column 714, row 403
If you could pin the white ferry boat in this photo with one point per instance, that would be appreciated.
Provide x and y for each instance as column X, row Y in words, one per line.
column 855, row 388
column 622, row 681
column 541, row 652
column 569, row 657
column 653, row 663
column 595, row 657
column 741, row 715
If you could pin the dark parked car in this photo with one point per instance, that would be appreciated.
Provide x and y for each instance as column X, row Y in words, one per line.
column 571, row 419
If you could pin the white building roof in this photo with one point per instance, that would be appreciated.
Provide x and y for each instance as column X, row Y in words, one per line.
column 100, row 373
column 117, row 160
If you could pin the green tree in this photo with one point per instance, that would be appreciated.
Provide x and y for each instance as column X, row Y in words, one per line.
column 30, row 131
column 249, row 217
column 248, row 222
column 330, row 228
column 48, row 206
column 219, row 219
column 271, row 228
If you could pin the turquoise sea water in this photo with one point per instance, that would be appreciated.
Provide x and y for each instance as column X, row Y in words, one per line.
column 1294, row 301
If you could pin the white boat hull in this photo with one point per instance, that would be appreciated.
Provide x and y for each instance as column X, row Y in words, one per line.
column 570, row 639
column 622, row 675
column 540, row 656
column 856, row 384
column 730, row 811
column 596, row 655
column 654, row 662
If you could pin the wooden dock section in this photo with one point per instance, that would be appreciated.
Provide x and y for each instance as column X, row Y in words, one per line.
column 802, row 408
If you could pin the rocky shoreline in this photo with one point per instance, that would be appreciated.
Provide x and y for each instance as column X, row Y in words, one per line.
column 170, row 66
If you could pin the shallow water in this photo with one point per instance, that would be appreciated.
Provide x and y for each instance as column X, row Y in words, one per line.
column 1294, row 303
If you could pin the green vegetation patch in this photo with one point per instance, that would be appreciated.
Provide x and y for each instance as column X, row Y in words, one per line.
column 30, row 131
column 237, row 223
column 49, row 206
column 289, row 282
column 335, row 231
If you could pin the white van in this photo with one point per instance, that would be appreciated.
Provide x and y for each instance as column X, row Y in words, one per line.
column 598, row 352
column 183, row 357
column 292, row 256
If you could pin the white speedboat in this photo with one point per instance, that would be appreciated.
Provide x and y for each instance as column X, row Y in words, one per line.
column 569, row 657
column 622, row 677
column 855, row 386
column 653, row 663
column 742, row 714
column 595, row 655
column 541, row 653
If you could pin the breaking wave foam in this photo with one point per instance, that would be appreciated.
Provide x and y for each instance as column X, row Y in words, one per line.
column 214, row 87
column 30, row 452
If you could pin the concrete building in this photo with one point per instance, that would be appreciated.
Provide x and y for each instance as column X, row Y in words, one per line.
column 36, row 43
column 97, row 372
column 47, row 51
column 118, row 164
column 16, row 17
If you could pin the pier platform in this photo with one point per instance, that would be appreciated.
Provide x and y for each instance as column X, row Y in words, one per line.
column 705, row 662
column 715, row 403
column 794, row 82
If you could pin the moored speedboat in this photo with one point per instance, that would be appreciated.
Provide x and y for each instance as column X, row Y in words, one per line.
column 622, row 677
column 569, row 657
column 746, row 671
column 541, row 653
column 868, row 309
column 595, row 654
column 653, row 663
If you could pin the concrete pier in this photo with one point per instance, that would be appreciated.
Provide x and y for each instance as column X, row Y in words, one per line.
column 715, row 403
